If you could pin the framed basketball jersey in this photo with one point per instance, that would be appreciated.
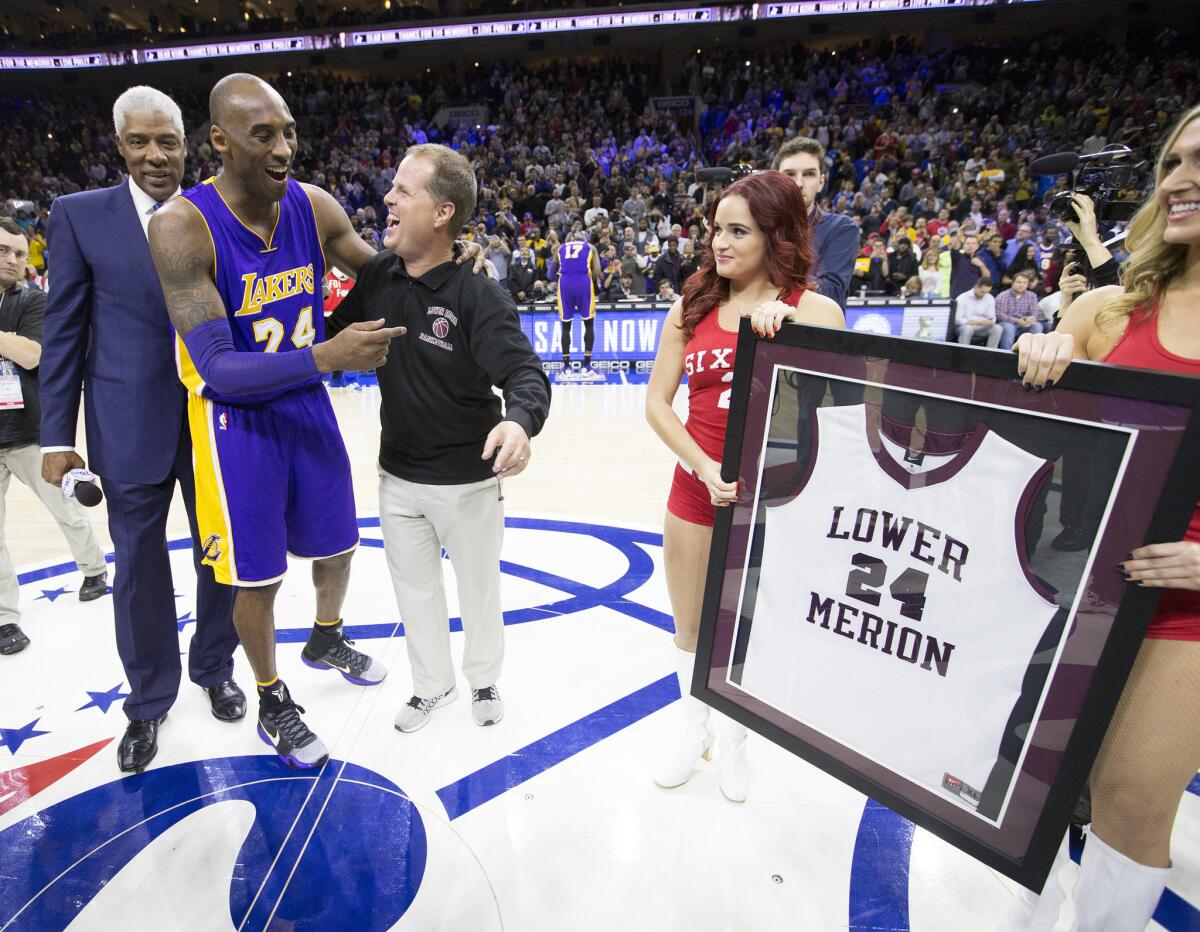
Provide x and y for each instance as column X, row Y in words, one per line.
column 916, row 590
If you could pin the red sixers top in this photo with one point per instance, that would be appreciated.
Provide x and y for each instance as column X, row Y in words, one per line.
column 1178, row 614
column 708, row 362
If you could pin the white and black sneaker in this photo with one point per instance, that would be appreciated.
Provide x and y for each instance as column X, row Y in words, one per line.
column 280, row 725
column 415, row 714
column 486, row 706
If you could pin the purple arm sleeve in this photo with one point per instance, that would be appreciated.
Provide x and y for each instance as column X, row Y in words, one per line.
column 231, row 373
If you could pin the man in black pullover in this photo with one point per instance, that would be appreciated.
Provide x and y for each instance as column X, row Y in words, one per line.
column 446, row 444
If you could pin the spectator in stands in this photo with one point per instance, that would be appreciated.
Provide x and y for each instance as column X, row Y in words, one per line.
column 993, row 257
column 633, row 264
column 668, row 266
column 1017, row 311
column 930, row 274
column 966, row 267
column 499, row 255
column 1023, row 261
column 902, row 265
column 621, row 289
column 691, row 260
column 522, row 273
column 595, row 213
column 975, row 315
column 666, row 291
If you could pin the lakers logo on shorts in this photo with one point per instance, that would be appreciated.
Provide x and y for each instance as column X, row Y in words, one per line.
column 212, row 548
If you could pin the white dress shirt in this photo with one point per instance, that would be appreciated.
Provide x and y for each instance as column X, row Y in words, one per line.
column 145, row 205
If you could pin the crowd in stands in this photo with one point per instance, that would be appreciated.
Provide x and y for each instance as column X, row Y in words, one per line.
column 929, row 152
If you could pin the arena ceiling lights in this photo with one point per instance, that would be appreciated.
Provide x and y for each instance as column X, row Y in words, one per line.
column 495, row 29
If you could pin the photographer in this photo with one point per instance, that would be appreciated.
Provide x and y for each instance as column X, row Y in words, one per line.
column 1152, row 749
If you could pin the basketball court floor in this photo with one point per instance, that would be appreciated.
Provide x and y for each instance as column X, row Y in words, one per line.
column 546, row 821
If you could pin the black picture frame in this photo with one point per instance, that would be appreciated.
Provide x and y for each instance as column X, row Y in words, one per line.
column 1151, row 500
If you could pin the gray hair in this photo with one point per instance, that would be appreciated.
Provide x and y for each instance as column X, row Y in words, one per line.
column 142, row 96
column 452, row 180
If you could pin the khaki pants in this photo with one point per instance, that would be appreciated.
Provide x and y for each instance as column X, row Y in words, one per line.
column 25, row 462
column 468, row 520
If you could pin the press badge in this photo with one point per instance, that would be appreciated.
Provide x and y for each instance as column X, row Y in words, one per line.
column 11, row 397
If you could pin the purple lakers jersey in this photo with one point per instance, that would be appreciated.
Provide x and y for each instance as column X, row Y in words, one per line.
column 270, row 287
column 574, row 258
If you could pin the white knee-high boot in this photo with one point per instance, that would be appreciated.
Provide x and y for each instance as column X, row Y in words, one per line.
column 1114, row 893
column 696, row 739
column 1033, row 913
column 734, row 772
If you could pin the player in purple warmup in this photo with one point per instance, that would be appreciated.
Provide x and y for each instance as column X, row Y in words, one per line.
column 578, row 271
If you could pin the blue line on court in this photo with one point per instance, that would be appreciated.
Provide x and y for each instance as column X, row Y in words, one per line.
column 475, row 789
column 879, row 871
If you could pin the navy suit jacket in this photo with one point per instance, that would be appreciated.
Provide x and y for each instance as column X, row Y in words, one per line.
column 107, row 331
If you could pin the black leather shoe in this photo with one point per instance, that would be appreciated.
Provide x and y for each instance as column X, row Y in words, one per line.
column 139, row 744
column 93, row 587
column 228, row 701
column 12, row 639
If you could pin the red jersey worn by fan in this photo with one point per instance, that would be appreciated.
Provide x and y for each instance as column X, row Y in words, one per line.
column 708, row 362
column 1178, row 615
column 338, row 289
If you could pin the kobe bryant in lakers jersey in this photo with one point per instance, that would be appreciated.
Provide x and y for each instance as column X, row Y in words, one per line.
column 241, row 258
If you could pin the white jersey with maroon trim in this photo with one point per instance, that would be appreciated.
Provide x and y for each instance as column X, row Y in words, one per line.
column 896, row 611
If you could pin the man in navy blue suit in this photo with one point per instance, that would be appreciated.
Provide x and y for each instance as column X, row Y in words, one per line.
column 106, row 330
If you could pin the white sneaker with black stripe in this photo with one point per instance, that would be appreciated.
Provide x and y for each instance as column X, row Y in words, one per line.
column 415, row 714
column 486, row 706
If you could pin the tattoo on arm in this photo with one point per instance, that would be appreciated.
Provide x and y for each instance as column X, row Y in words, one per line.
column 191, row 296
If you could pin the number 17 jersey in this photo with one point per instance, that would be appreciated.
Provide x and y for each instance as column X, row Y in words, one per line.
column 270, row 287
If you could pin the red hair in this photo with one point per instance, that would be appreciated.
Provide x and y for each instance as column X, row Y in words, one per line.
column 778, row 209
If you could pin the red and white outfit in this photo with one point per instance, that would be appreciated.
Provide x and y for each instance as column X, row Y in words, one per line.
column 1178, row 615
column 708, row 362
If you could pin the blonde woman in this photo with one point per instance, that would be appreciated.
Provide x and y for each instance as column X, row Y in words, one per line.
column 1152, row 749
column 930, row 273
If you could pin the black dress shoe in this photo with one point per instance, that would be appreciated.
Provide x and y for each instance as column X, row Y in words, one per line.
column 228, row 701
column 139, row 744
column 93, row 587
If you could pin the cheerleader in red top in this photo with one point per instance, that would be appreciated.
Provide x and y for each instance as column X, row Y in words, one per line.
column 756, row 263
column 1152, row 749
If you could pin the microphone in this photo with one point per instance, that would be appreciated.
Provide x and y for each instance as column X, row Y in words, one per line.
column 718, row 175
column 81, row 485
column 1057, row 164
